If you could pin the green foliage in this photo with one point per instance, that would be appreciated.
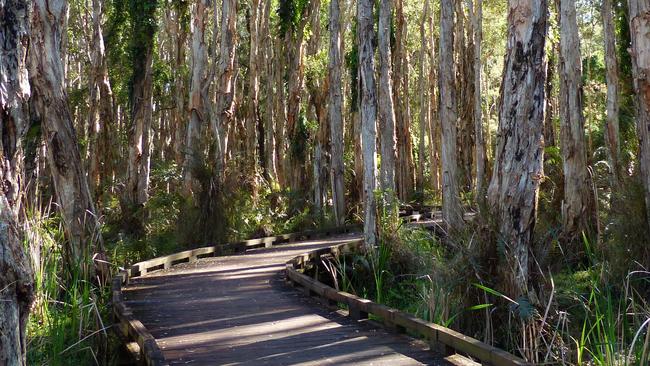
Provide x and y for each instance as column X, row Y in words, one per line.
column 69, row 322
column 290, row 13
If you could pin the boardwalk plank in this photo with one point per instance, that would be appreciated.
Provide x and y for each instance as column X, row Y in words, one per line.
column 237, row 310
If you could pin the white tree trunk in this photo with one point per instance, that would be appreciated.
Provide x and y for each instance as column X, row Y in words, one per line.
column 422, row 90
column 640, row 51
column 336, row 114
column 518, row 164
column 385, row 102
column 451, row 209
column 16, row 276
column 222, row 117
column 64, row 159
column 578, row 209
column 100, row 114
column 197, row 112
column 476, row 15
column 368, row 117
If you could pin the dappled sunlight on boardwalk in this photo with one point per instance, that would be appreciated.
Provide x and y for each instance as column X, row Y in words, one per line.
column 237, row 310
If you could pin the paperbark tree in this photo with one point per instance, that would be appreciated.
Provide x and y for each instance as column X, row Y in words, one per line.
column 518, row 167
column 405, row 169
column 223, row 114
column 368, row 117
column 612, row 139
column 51, row 107
column 137, row 181
column 100, row 114
column 16, row 276
column 385, row 102
column 253, row 119
column 476, row 16
column 269, row 54
column 197, row 112
column 422, row 91
column 578, row 208
column 451, row 209
column 434, row 120
column 639, row 13
column 549, row 126
column 336, row 114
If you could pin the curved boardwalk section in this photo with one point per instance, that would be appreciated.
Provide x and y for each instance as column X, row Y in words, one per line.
column 237, row 310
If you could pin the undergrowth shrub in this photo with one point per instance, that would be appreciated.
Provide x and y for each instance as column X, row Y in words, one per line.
column 69, row 323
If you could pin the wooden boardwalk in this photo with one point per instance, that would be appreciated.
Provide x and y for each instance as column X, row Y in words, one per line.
column 237, row 310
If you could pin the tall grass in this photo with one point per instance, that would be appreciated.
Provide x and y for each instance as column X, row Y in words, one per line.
column 66, row 325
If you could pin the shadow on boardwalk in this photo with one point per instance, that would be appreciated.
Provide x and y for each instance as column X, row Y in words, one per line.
column 237, row 310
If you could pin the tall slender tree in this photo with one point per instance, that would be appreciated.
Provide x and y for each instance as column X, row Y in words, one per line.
column 336, row 113
column 451, row 209
column 197, row 111
column 368, row 116
column 422, row 91
column 143, row 26
column 16, row 276
column 404, row 169
column 639, row 15
column 612, row 138
column 578, row 209
column 476, row 16
column 224, row 105
column 385, row 102
column 100, row 114
column 50, row 103
column 518, row 168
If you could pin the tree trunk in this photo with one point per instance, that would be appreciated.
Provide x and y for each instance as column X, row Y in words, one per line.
column 404, row 168
column 336, row 114
column 368, row 117
column 612, row 139
column 223, row 115
column 518, row 164
column 434, row 120
column 476, row 15
column 640, row 51
column 424, row 107
column 137, row 185
column 268, row 55
column 451, row 209
column 280, row 110
column 385, row 102
column 51, row 106
column 297, row 154
column 253, row 119
column 578, row 209
column 180, row 111
column 101, row 117
column 17, row 278
column 549, row 126
column 193, row 147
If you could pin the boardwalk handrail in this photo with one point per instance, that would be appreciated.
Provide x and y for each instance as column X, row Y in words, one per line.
column 440, row 338
column 132, row 330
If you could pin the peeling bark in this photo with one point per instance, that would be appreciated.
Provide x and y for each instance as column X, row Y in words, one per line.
column 336, row 114
column 518, row 163
column 639, row 13
column 368, row 117
column 16, row 276
column 197, row 97
column 578, row 208
column 612, row 138
column 51, row 105
column 451, row 209
column 385, row 102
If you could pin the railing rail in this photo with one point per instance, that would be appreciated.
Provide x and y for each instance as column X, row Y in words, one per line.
column 440, row 338
column 142, row 344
